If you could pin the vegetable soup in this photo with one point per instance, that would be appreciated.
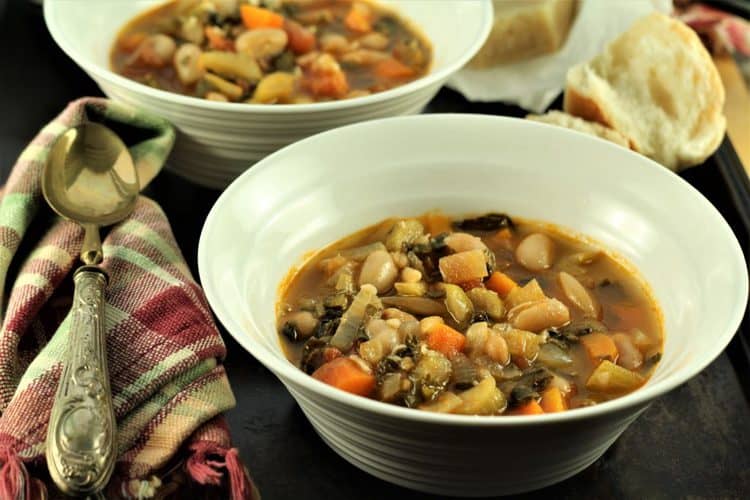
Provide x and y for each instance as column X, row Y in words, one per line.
column 271, row 51
column 482, row 316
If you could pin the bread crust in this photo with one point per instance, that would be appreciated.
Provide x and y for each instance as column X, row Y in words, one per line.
column 657, row 85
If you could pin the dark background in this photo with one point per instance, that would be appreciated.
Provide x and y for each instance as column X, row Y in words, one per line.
column 695, row 441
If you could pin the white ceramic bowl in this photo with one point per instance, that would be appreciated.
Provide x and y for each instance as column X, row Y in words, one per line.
column 218, row 141
column 328, row 186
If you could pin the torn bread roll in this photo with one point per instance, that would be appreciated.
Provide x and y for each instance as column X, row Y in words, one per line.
column 572, row 122
column 656, row 85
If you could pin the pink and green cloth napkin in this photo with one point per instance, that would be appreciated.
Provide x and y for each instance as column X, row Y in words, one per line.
column 164, row 351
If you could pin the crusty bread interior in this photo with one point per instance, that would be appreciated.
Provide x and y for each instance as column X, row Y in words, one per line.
column 572, row 122
column 657, row 85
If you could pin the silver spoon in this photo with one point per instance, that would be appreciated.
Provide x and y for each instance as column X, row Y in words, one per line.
column 90, row 179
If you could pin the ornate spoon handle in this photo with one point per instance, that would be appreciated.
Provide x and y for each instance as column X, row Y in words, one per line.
column 81, row 434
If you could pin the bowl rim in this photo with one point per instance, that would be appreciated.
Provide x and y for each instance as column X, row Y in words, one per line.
column 285, row 370
column 486, row 18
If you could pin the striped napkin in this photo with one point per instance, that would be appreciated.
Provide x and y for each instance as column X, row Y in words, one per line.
column 164, row 351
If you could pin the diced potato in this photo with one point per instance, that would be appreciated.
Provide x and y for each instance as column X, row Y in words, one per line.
column 433, row 368
column 482, row 399
column 458, row 304
column 609, row 378
column 277, row 87
column 232, row 65
column 403, row 232
column 463, row 267
column 530, row 292
column 522, row 343
column 487, row 301
column 446, row 403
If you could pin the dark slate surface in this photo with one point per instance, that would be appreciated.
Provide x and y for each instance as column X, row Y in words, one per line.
column 693, row 442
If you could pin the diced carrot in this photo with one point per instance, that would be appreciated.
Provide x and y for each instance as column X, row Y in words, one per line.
column 131, row 41
column 301, row 40
column 326, row 84
column 599, row 346
column 500, row 283
column 437, row 223
column 445, row 339
column 258, row 17
column 217, row 40
column 552, row 400
column 627, row 316
column 463, row 266
column 529, row 408
column 359, row 18
column 392, row 68
column 347, row 375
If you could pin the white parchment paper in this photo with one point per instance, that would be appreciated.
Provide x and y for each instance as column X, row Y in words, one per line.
column 535, row 83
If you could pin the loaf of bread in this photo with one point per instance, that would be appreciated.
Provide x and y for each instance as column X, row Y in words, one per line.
column 656, row 85
column 565, row 120
column 524, row 29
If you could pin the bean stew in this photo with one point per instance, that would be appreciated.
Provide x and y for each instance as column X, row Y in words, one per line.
column 481, row 316
column 271, row 51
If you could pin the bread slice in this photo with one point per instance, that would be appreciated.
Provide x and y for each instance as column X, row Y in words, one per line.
column 569, row 121
column 657, row 85
column 524, row 29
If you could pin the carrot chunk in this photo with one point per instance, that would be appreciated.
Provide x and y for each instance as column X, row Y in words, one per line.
column 393, row 68
column 530, row 408
column 217, row 40
column 500, row 283
column 445, row 339
column 258, row 17
column 599, row 347
column 359, row 18
column 552, row 400
column 347, row 375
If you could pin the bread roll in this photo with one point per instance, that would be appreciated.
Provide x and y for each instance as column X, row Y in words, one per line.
column 657, row 85
column 524, row 29
column 565, row 120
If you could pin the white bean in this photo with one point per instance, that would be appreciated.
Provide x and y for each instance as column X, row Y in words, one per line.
column 539, row 315
column 333, row 42
column 393, row 312
column 304, row 322
column 578, row 295
column 364, row 57
column 497, row 348
column 262, row 43
column 191, row 30
column 379, row 271
column 535, row 252
column 157, row 50
column 187, row 63
column 374, row 40
column 630, row 357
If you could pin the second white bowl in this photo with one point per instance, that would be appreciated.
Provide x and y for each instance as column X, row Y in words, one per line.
column 218, row 141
